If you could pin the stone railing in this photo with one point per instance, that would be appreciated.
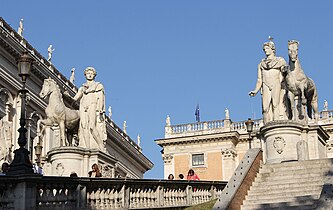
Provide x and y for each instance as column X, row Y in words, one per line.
column 214, row 126
column 326, row 114
column 38, row 192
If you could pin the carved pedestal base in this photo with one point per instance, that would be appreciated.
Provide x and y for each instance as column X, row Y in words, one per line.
column 292, row 141
column 64, row 160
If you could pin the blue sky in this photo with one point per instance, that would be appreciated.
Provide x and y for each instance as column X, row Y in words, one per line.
column 158, row 58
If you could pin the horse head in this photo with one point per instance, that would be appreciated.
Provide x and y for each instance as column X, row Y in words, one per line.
column 293, row 50
column 48, row 87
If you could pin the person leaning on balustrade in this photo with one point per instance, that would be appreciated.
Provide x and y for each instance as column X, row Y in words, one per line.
column 4, row 168
column 171, row 177
column 192, row 176
column 95, row 171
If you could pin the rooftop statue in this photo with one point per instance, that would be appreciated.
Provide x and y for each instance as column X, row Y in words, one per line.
column 92, row 129
column 72, row 78
column 50, row 51
column 270, row 83
column 227, row 114
column 57, row 113
column 20, row 28
column 110, row 112
column 139, row 140
column 325, row 105
column 167, row 121
column 124, row 127
column 298, row 84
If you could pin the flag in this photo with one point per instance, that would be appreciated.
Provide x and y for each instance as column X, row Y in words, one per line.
column 197, row 113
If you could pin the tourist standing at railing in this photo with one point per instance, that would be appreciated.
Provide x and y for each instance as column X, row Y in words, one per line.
column 73, row 174
column 171, row 177
column 181, row 176
column 192, row 176
column 95, row 171
column 4, row 168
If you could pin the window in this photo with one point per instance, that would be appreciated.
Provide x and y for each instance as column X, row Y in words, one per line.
column 198, row 160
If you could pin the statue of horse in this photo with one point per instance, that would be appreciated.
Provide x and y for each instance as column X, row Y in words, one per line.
column 57, row 113
column 298, row 84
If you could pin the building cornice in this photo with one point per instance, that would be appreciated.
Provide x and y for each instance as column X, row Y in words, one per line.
column 198, row 139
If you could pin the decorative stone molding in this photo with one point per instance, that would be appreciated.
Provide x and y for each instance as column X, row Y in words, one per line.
column 279, row 144
column 329, row 145
column 60, row 169
column 107, row 171
column 229, row 153
column 6, row 98
column 167, row 158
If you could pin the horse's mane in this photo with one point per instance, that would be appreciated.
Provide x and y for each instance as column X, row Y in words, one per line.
column 57, row 88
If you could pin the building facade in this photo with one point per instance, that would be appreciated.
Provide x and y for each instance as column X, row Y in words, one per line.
column 120, row 157
column 213, row 149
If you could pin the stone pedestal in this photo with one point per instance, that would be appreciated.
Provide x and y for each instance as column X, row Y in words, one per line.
column 64, row 160
column 288, row 140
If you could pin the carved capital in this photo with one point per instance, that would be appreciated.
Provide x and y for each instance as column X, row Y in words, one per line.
column 167, row 158
column 329, row 145
column 107, row 171
column 229, row 153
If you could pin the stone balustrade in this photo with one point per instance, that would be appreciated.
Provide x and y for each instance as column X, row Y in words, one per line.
column 326, row 114
column 208, row 127
column 43, row 192
column 217, row 126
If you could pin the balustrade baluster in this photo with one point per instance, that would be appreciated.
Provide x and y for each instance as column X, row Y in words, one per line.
column 166, row 197
column 132, row 198
column 112, row 198
column 102, row 197
column 107, row 198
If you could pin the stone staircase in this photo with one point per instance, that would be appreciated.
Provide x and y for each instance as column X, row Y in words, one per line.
column 289, row 185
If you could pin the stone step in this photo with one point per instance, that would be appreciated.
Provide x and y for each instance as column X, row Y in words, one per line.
column 305, row 165
column 300, row 164
column 286, row 190
column 305, row 205
column 293, row 172
column 283, row 186
column 282, row 194
column 290, row 178
column 287, row 198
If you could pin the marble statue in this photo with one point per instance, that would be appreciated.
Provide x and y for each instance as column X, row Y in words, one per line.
column 57, row 113
column 72, row 78
column 270, row 83
column 50, row 51
column 92, row 129
column 20, row 28
column 110, row 112
column 139, row 140
column 325, row 105
column 6, row 141
column 124, row 127
column 227, row 114
column 298, row 84
column 167, row 121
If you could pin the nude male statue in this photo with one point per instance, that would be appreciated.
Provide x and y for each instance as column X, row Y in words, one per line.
column 269, row 81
